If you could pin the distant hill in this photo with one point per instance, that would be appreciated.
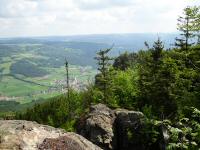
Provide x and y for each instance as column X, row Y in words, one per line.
column 121, row 42
column 134, row 41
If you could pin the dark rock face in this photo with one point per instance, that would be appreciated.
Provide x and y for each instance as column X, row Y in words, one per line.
column 112, row 129
column 128, row 127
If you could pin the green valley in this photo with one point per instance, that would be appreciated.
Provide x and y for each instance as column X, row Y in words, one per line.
column 32, row 72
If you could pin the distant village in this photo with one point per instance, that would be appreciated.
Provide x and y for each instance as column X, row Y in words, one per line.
column 6, row 98
column 57, row 85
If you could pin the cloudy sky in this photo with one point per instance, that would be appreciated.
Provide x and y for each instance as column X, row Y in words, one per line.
column 71, row 17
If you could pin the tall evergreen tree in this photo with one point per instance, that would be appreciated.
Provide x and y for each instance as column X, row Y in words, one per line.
column 155, row 82
column 67, row 77
column 187, row 25
column 103, row 80
column 157, row 51
column 197, row 23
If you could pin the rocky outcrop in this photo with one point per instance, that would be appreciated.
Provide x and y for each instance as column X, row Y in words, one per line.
column 118, row 129
column 26, row 135
column 97, row 126
column 112, row 129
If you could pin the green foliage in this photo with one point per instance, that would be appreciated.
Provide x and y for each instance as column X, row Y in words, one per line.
column 156, row 80
column 150, row 132
column 69, row 125
column 103, row 79
column 27, row 69
column 58, row 112
column 125, row 61
column 7, row 105
column 92, row 95
column 188, row 25
column 185, row 134
column 147, row 111
column 125, row 88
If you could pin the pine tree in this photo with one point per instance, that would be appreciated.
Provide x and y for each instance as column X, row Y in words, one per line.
column 155, row 82
column 197, row 23
column 187, row 25
column 197, row 30
column 103, row 80
column 67, row 79
column 157, row 50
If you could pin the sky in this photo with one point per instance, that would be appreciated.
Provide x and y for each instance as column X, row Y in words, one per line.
column 23, row 18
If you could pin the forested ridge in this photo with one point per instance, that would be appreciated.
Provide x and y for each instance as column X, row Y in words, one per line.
column 163, row 84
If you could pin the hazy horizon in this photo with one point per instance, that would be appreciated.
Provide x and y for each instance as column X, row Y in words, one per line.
column 95, row 34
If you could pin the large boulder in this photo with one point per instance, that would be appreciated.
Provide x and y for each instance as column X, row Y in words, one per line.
column 112, row 129
column 27, row 135
column 97, row 126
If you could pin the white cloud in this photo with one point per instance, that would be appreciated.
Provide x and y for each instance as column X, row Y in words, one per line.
column 21, row 8
column 64, row 17
column 102, row 4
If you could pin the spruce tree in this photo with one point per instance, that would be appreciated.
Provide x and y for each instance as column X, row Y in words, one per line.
column 155, row 82
column 187, row 25
column 103, row 80
column 67, row 77
column 197, row 30
column 157, row 51
column 197, row 23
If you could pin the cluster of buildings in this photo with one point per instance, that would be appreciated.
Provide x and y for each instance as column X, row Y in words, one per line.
column 60, row 85
column 6, row 98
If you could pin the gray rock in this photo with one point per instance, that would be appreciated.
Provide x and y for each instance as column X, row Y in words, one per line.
column 97, row 126
column 112, row 129
column 27, row 135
